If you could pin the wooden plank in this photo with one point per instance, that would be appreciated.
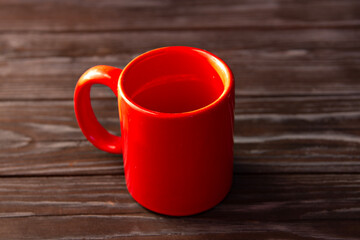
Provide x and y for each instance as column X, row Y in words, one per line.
column 260, row 121
column 297, row 134
column 109, row 15
column 52, row 121
column 280, row 72
column 43, row 138
column 287, row 197
column 58, row 158
column 101, row 44
column 272, row 134
column 140, row 227
column 50, row 142
column 258, row 206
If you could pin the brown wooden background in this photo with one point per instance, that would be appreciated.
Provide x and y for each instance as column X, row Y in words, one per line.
column 297, row 133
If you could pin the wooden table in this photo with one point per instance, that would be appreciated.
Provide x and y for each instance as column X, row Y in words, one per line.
column 297, row 123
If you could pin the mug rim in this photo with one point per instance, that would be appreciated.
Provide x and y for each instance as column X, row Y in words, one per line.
column 217, row 101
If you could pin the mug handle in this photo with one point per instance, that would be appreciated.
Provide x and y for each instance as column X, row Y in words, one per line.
column 85, row 116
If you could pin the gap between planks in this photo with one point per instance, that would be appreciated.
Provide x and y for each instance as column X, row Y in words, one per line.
column 345, row 25
column 243, row 174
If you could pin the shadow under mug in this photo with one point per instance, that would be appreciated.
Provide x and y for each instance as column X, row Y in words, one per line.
column 176, row 108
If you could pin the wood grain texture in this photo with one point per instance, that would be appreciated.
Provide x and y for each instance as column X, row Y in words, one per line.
column 256, row 73
column 280, row 62
column 297, row 140
column 140, row 227
column 109, row 15
column 101, row 44
column 272, row 134
column 258, row 206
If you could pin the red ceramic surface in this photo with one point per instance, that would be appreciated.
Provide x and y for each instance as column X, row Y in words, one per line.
column 176, row 108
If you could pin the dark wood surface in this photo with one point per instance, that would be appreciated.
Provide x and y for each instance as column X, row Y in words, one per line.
column 297, row 117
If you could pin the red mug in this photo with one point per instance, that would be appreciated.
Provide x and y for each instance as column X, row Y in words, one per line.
column 176, row 108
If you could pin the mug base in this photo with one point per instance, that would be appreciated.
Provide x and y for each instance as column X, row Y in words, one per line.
column 183, row 213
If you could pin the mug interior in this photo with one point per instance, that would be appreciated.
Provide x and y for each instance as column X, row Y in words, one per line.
column 175, row 80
